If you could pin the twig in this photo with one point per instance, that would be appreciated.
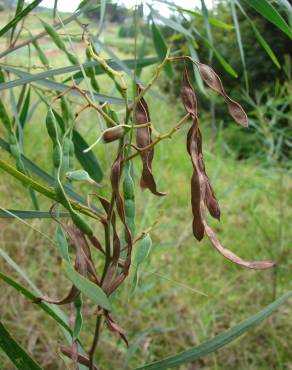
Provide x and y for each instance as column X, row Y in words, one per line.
column 160, row 138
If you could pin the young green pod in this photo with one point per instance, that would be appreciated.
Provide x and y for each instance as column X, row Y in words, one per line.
column 51, row 126
column 57, row 156
column 81, row 224
column 54, row 35
column 113, row 133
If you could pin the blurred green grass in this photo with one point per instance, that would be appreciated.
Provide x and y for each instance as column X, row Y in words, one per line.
column 166, row 315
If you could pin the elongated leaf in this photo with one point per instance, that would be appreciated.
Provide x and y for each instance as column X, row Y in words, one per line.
column 219, row 341
column 57, row 86
column 32, row 297
column 17, row 355
column 130, row 63
column 179, row 28
column 90, row 290
column 102, row 15
column 267, row 10
column 24, row 110
column 161, row 48
column 19, row 16
column 30, row 214
column 214, row 21
column 265, row 45
column 46, row 177
column 239, row 41
column 260, row 38
column 41, row 34
column 87, row 160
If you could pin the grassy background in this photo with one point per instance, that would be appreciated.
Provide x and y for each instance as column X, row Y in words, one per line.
column 168, row 313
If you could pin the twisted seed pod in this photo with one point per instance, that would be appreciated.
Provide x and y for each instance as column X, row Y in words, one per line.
column 210, row 77
column 143, row 138
column 188, row 95
column 203, row 195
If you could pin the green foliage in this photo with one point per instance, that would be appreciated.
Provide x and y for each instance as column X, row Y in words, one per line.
column 109, row 244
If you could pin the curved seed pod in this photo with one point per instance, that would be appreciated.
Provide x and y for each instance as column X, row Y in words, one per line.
column 81, row 224
column 198, row 226
column 210, row 233
column 129, row 196
column 54, row 35
column 195, row 136
column 69, row 298
column 188, row 95
column 113, row 133
column 51, row 125
column 143, row 138
column 210, row 77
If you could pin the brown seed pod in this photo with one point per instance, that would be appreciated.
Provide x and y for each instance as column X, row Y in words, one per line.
column 210, row 77
column 113, row 133
column 203, row 194
column 143, row 139
column 188, row 95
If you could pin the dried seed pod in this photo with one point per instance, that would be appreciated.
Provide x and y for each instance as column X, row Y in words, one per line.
column 115, row 328
column 188, row 95
column 143, row 139
column 113, row 133
column 203, row 194
column 210, row 77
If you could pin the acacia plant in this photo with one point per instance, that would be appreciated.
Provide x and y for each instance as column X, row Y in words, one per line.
column 119, row 246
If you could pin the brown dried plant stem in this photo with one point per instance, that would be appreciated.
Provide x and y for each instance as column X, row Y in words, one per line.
column 106, row 265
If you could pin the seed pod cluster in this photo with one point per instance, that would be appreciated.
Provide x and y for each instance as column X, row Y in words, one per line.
column 201, row 190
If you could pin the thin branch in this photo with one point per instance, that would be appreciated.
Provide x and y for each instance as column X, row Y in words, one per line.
column 168, row 135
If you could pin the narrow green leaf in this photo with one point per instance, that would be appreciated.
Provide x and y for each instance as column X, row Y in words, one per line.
column 198, row 77
column 161, row 48
column 62, row 243
column 142, row 250
column 265, row 45
column 102, row 15
column 220, row 58
column 239, row 41
column 55, row 8
column 17, row 355
column 24, row 110
column 179, row 28
column 217, row 342
column 19, row 16
column 78, row 317
column 130, row 63
column 53, row 85
column 50, row 310
column 31, row 214
column 216, row 22
column 87, row 160
column 260, row 38
column 46, row 177
column 267, row 10
column 19, row 7
column 171, row 23
column 89, row 289
column 42, row 56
